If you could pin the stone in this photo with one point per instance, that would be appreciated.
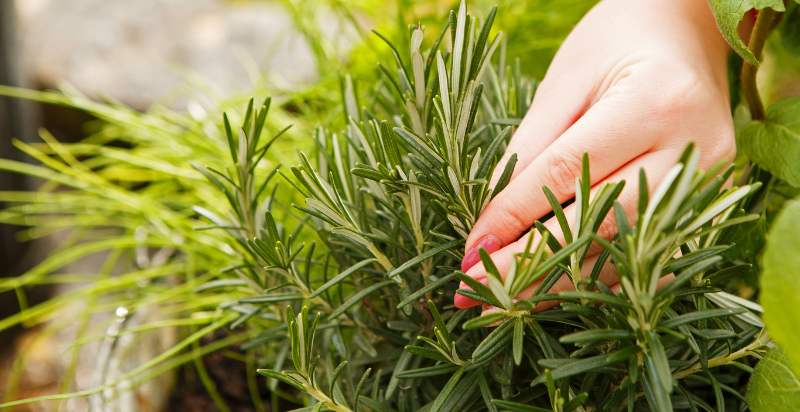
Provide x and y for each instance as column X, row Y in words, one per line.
column 161, row 51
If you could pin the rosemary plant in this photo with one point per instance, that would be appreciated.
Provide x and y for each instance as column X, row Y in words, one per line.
column 335, row 277
column 392, row 197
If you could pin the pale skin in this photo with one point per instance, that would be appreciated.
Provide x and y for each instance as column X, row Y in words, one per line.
column 633, row 84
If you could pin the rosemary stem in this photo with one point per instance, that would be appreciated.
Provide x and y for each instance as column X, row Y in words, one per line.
column 759, row 343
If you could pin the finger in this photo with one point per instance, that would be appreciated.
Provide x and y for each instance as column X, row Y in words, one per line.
column 607, row 275
column 662, row 281
column 609, row 132
column 656, row 164
column 558, row 103
column 565, row 284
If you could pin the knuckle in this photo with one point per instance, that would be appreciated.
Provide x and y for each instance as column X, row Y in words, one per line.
column 683, row 95
column 562, row 171
column 509, row 213
column 516, row 217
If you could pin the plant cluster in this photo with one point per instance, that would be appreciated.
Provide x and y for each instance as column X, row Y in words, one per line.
column 394, row 194
column 335, row 277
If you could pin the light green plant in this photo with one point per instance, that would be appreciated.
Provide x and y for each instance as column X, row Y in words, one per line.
column 336, row 275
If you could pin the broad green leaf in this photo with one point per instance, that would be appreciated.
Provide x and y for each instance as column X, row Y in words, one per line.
column 729, row 13
column 774, row 386
column 780, row 281
column 774, row 144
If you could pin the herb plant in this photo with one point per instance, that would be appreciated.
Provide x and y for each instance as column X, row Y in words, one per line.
column 389, row 339
column 335, row 277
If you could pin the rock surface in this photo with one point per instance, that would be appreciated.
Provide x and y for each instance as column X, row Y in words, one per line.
column 145, row 51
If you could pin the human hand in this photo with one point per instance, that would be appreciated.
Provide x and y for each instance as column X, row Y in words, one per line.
column 632, row 85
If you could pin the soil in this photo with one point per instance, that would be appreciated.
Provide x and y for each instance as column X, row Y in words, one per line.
column 230, row 378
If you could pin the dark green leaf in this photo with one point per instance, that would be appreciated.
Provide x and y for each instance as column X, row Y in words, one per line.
column 790, row 29
column 424, row 256
column 437, row 370
column 518, row 340
column 510, row 406
column 422, row 291
column 488, row 319
column 573, row 367
column 774, row 144
column 505, row 177
column 593, row 335
column 480, row 289
column 699, row 315
column 444, row 394
column 356, row 297
column 341, row 276
column 493, row 343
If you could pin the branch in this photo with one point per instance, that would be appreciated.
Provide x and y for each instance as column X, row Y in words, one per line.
column 758, row 37
column 750, row 350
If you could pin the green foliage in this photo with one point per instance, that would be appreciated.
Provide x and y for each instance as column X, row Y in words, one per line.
column 774, row 143
column 359, row 277
column 790, row 29
column 142, row 189
column 780, row 282
column 774, row 386
column 729, row 14
column 126, row 193
column 396, row 191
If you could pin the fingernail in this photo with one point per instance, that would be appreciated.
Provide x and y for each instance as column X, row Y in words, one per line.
column 490, row 243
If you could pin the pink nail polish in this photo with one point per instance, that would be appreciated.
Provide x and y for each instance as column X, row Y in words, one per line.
column 490, row 243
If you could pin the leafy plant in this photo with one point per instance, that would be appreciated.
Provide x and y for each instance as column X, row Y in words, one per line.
column 770, row 140
column 125, row 194
column 445, row 114
column 133, row 192
column 335, row 277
